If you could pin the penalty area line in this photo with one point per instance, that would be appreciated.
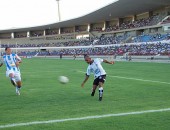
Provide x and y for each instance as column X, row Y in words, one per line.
column 83, row 118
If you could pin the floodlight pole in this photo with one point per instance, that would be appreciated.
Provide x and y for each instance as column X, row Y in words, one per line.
column 58, row 3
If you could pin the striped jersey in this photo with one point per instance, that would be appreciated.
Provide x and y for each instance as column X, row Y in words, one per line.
column 10, row 61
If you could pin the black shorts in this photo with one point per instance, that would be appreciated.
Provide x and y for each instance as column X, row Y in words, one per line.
column 101, row 78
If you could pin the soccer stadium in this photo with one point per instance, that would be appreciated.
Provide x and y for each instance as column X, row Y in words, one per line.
column 134, row 34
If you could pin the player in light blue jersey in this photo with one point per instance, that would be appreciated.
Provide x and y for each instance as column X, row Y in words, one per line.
column 12, row 62
column 96, row 68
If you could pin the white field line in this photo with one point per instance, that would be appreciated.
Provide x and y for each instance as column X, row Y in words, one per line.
column 83, row 118
column 140, row 79
column 133, row 78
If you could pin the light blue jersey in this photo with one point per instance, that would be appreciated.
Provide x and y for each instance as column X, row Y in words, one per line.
column 10, row 61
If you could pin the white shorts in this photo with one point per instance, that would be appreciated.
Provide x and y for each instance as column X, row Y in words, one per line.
column 17, row 75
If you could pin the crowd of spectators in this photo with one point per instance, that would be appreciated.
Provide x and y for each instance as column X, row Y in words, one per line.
column 103, row 40
column 148, row 49
column 133, row 49
column 51, row 32
column 34, row 34
column 151, row 38
column 139, row 47
column 58, row 44
column 153, row 20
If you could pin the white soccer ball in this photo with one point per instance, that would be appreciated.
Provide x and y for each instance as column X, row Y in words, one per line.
column 63, row 79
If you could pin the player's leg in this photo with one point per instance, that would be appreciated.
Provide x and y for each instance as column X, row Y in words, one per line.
column 15, row 79
column 101, row 84
column 95, row 84
column 93, row 90
column 11, row 75
column 18, row 87
column 18, row 83
column 100, row 91
column 13, row 82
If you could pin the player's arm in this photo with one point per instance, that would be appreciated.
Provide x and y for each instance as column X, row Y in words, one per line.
column 18, row 60
column 86, row 78
column 108, row 62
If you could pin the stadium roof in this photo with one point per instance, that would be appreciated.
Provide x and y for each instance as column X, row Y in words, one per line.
column 118, row 9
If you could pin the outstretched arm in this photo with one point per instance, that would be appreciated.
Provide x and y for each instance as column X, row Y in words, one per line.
column 86, row 78
column 109, row 62
column 18, row 60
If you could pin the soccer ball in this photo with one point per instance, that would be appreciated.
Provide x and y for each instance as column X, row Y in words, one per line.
column 63, row 79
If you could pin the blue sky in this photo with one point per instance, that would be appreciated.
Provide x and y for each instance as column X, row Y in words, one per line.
column 29, row 13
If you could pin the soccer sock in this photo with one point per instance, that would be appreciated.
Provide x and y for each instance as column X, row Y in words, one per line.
column 16, row 89
column 100, row 91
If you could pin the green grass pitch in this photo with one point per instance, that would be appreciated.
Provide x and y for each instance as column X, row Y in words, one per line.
column 129, row 87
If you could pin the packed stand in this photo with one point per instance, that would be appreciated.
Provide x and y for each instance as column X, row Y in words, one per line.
column 151, row 38
column 153, row 20
column 160, row 48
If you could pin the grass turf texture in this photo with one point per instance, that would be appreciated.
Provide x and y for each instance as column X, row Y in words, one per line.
column 44, row 98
